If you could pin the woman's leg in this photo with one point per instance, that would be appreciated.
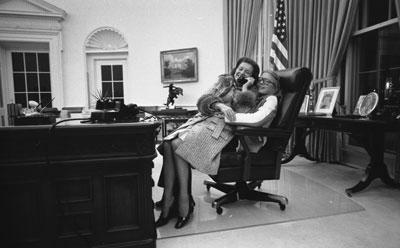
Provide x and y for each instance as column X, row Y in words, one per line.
column 182, row 169
column 169, row 177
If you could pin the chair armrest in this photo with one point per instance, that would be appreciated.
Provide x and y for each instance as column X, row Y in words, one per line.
column 259, row 131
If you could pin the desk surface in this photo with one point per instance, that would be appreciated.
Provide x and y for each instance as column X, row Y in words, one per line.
column 345, row 122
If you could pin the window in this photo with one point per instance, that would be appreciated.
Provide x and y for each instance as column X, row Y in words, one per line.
column 379, row 60
column 378, row 41
column 110, row 78
column 112, row 81
column 31, row 78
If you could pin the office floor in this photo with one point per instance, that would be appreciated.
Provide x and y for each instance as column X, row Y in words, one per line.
column 377, row 226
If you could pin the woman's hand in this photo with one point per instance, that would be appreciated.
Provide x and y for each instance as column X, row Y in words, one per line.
column 226, row 110
column 249, row 83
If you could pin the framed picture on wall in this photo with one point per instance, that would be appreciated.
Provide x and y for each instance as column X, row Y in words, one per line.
column 179, row 66
column 326, row 100
column 304, row 106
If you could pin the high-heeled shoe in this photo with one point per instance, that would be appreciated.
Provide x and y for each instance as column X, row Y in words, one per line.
column 182, row 221
column 164, row 218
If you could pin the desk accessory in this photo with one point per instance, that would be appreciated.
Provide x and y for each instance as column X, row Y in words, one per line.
column 326, row 100
column 369, row 104
column 173, row 93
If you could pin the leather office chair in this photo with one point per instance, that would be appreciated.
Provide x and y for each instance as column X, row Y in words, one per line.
column 247, row 169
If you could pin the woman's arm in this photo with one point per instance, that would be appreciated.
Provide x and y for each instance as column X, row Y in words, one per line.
column 206, row 103
column 264, row 114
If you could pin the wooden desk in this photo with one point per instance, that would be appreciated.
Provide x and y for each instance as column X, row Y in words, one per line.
column 370, row 133
column 85, row 185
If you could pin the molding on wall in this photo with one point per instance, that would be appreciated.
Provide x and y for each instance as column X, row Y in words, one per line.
column 106, row 39
column 31, row 8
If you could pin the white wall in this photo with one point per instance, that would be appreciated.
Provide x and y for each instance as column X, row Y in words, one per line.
column 149, row 26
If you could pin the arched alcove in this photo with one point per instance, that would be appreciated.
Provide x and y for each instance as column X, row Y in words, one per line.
column 106, row 39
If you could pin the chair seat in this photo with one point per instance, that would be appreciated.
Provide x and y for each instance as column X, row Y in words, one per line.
column 263, row 166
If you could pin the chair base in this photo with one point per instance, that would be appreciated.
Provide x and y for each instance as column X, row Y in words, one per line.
column 243, row 191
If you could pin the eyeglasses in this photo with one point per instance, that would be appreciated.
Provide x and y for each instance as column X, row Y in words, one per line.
column 265, row 81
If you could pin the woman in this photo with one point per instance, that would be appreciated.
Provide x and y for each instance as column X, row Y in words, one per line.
column 175, row 168
column 265, row 111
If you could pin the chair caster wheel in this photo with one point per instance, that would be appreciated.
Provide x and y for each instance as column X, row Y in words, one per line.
column 282, row 206
column 208, row 188
column 219, row 210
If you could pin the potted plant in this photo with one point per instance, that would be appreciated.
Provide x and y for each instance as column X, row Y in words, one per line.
column 102, row 101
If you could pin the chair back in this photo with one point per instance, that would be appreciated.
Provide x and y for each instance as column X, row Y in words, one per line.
column 266, row 163
column 294, row 84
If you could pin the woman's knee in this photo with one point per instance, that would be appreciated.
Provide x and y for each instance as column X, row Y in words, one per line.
column 175, row 143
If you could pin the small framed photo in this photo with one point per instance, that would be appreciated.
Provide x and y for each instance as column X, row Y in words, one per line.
column 179, row 66
column 358, row 105
column 369, row 104
column 304, row 106
column 326, row 100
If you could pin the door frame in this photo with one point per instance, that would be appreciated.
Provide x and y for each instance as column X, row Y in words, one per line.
column 91, row 60
column 100, row 62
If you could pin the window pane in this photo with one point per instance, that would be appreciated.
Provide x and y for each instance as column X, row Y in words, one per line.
column 368, row 57
column 393, row 14
column 44, row 65
column 107, row 90
column 19, row 82
column 17, row 61
column 118, row 89
column 32, row 82
column 21, row 98
column 44, row 81
column 388, row 49
column 368, row 82
column 30, row 62
column 106, row 73
column 45, row 98
column 117, row 72
column 33, row 97
column 378, row 11
column 373, row 12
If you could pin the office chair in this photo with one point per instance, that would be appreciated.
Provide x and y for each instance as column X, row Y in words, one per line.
column 247, row 170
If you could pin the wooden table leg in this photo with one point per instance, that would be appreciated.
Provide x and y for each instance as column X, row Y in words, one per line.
column 299, row 147
column 373, row 143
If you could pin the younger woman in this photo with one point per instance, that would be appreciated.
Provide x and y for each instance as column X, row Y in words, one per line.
column 265, row 111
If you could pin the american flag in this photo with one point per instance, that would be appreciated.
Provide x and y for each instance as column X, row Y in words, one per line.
column 279, row 54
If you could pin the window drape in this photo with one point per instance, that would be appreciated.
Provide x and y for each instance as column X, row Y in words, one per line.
column 265, row 31
column 241, row 22
column 319, row 32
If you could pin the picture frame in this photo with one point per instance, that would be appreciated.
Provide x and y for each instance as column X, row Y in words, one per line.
column 369, row 104
column 326, row 100
column 304, row 105
column 358, row 105
column 179, row 66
